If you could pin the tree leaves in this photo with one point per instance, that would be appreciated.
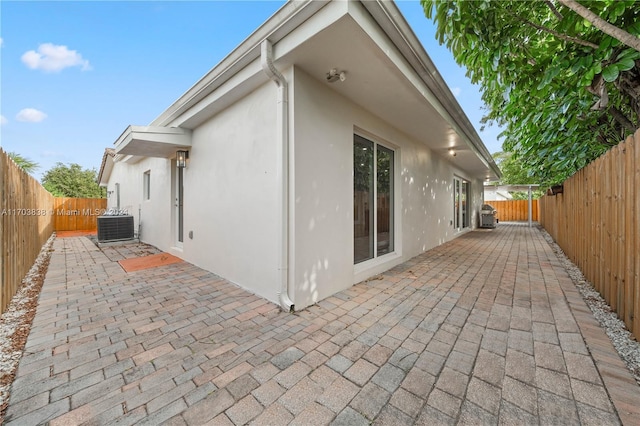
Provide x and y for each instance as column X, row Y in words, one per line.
column 24, row 163
column 611, row 73
column 72, row 181
column 537, row 63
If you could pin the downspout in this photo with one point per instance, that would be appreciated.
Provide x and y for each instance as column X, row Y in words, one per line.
column 282, row 137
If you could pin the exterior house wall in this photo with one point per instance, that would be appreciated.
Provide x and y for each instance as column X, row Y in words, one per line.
column 324, row 127
column 231, row 184
column 230, row 194
column 152, row 218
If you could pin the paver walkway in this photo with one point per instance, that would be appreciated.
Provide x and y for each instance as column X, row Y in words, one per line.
column 485, row 329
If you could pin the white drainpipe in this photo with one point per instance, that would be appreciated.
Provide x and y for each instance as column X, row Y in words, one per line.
column 266, row 60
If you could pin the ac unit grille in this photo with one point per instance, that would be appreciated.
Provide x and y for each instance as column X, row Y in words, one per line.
column 115, row 228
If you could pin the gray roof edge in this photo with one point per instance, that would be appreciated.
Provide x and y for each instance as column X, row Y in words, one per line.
column 403, row 37
column 281, row 23
column 294, row 13
column 108, row 153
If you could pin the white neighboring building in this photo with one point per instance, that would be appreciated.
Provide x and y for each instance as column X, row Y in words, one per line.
column 493, row 193
column 318, row 156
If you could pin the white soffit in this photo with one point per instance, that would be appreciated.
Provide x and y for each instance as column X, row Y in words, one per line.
column 153, row 141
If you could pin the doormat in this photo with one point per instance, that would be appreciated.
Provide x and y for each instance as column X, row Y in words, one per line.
column 67, row 234
column 147, row 262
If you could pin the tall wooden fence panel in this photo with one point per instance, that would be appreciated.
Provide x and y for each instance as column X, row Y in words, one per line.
column 78, row 214
column 25, row 225
column 515, row 210
column 595, row 220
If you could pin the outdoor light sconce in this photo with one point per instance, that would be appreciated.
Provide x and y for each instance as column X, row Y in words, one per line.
column 181, row 158
column 334, row 75
column 452, row 152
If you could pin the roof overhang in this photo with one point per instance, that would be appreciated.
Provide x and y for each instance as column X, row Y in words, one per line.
column 106, row 166
column 382, row 53
column 152, row 141
column 513, row 188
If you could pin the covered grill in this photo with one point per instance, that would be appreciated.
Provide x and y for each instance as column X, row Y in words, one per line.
column 488, row 216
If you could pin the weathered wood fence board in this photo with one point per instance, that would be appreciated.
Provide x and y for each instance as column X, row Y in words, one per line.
column 595, row 222
column 28, row 216
column 25, row 225
column 515, row 210
column 78, row 214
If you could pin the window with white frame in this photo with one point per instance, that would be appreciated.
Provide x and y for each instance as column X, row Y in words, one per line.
column 146, row 185
column 373, row 221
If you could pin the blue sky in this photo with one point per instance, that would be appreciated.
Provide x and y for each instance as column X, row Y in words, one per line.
column 74, row 75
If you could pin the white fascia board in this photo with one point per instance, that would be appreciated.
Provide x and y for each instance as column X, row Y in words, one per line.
column 105, row 171
column 243, row 81
column 519, row 188
column 396, row 28
column 152, row 141
column 233, row 89
column 285, row 20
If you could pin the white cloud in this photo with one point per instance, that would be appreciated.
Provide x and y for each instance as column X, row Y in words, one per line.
column 1, row 42
column 31, row 115
column 3, row 120
column 54, row 58
column 456, row 91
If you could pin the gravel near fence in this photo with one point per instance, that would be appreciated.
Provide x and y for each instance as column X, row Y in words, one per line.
column 15, row 322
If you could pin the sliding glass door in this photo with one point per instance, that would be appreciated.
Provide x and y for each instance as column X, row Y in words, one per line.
column 373, row 170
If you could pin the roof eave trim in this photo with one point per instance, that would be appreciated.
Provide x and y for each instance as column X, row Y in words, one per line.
column 108, row 153
column 281, row 23
column 390, row 19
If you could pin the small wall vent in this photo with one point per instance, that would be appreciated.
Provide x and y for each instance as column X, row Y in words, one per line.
column 115, row 228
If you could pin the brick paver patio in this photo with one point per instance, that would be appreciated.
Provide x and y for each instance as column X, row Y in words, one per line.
column 486, row 329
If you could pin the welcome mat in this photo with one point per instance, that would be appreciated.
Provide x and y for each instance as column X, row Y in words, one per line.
column 147, row 262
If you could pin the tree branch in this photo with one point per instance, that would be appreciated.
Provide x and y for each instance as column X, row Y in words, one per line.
column 554, row 10
column 607, row 28
column 621, row 119
column 559, row 35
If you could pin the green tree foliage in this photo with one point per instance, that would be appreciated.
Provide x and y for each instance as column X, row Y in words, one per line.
column 72, row 181
column 23, row 162
column 515, row 173
column 564, row 90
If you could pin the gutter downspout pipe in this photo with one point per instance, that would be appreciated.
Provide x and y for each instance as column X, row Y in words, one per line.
column 282, row 135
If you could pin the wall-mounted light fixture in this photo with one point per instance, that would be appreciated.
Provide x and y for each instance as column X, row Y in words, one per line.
column 334, row 75
column 452, row 152
column 181, row 158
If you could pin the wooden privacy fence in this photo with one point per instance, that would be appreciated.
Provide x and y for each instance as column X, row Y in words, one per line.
column 25, row 225
column 515, row 210
column 595, row 221
column 77, row 214
column 28, row 216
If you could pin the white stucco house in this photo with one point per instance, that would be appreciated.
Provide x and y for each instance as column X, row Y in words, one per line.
column 320, row 153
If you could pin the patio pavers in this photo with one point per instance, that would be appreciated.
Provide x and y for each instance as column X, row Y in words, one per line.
column 485, row 329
